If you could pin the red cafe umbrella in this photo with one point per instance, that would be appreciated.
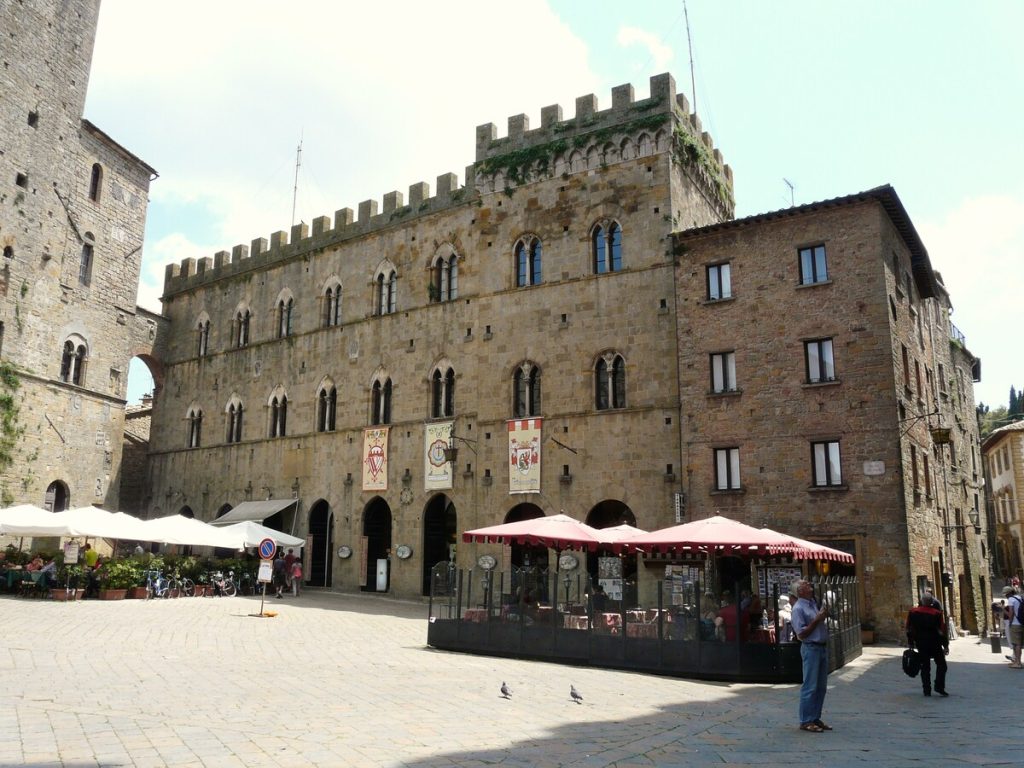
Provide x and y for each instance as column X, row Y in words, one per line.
column 555, row 531
column 802, row 549
column 713, row 533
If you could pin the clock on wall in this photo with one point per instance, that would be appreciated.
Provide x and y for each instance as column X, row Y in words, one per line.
column 568, row 562
column 344, row 552
column 487, row 562
column 403, row 551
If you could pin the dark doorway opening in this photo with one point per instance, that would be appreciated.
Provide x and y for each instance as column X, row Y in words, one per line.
column 440, row 532
column 57, row 497
column 321, row 558
column 377, row 530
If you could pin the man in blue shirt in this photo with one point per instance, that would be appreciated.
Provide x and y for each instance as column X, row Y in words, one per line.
column 810, row 629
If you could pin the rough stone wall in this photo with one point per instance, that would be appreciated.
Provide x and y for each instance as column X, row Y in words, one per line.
column 134, row 480
column 562, row 325
column 72, row 434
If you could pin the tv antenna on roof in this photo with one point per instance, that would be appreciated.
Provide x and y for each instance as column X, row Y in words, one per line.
column 689, row 45
column 295, row 190
column 790, row 185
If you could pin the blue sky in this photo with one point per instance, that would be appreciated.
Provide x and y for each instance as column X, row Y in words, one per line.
column 836, row 98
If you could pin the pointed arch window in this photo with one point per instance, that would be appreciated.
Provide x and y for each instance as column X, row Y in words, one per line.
column 279, row 415
column 72, row 362
column 442, row 395
column 327, row 406
column 528, row 262
column 444, row 279
column 195, row 427
column 242, row 320
column 610, row 383
column 381, row 402
column 235, row 422
column 204, row 337
column 387, row 293
column 284, row 317
column 332, row 306
column 606, row 243
column 526, row 391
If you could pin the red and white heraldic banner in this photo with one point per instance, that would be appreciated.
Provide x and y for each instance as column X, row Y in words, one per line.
column 375, row 459
column 524, row 455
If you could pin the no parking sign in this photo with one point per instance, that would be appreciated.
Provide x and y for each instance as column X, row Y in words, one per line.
column 267, row 549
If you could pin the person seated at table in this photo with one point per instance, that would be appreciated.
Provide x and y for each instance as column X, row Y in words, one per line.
column 48, row 574
column 599, row 598
column 36, row 564
column 92, row 579
column 785, row 618
column 708, row 616
column 730, row 616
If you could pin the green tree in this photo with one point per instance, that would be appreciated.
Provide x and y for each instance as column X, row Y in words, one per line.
column 992, row 419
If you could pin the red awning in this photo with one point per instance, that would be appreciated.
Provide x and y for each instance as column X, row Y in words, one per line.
column 555, row 531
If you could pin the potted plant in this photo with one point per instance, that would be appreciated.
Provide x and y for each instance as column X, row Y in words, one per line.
column 116, row 577
column 867, row 633
column 68, row 579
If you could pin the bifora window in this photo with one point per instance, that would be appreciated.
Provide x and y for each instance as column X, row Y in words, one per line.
column 827, row 470
column 327, row 407
column 442, row 393
column 526, row 391
column 242, row 328
column 195, row 427
column 381, row 402
column 813, row 267
column 72, row 362
column 719, row 282
column 204, row 337
column 387, row 293
column 528, row 262
column 727, row 469
column 610, row 383
column 235, row 422
column 284, row 317
column 332, row 306
column 606, row 248
column 444, row 278
column 723, row 372
column 819, row 363
column 279, row 415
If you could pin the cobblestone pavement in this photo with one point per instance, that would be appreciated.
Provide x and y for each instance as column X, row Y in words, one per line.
column 338, row 680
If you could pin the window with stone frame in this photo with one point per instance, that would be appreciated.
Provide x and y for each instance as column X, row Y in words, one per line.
column 719, row 281
column 610, row 382
column 528, row 261
column 326, row 407
column 386, row 293
column 195, row 427
column 243, row 320
column 727, row 469
column 442, row 393
column 819, row 362
column 826, row 464
column 380, row 402
column 278, row 415
column 444, row 277
column 96, row 182
column 723, row 372
column 526, row 390
column 203, row 337
column 85, row 263
column 285, row 307
column 332, row 305
column 606, row 247
column 234, row 415
column 73, row 361
column 813, row 265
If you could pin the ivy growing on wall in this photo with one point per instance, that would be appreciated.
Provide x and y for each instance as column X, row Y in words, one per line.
column 11, row 429
column 690, row 150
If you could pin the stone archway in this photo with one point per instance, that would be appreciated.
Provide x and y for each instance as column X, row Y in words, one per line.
column 524, row 555
column 58, row 497
column 440, row 535
column 377, row 533
column 321, row 550
column 619, row 572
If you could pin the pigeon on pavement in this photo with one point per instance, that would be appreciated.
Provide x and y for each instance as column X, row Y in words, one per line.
column 576, row 695
column 506, row 692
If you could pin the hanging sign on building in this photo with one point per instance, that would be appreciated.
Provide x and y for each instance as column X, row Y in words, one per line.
column 375, row 459
column 437, row 471
column 524, row 455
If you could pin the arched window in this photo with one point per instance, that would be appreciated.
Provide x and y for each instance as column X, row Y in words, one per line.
column 526, row 391
column 610, row 383
column 387, row 292
column 72, row 362
column 444, row 278
column 195, row 427
column 284, row 317
column 235, row 421
column 528, row 262
column 85, row 264
column 332, row 305
column 242, row 319
column 279, row 415
column 606, row 248
column 381, row 402
column 442, row 393
column 204, row 337
column 96, row 182
column 326, row 408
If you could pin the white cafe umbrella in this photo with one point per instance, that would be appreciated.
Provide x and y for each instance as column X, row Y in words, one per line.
column 251, row 533
column 178, row 529
column 29, row 520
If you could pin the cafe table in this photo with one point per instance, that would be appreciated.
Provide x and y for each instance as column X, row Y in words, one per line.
column 476, row 615
column 573, row 621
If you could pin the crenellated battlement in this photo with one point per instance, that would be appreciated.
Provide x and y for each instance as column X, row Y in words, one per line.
column 593, row 138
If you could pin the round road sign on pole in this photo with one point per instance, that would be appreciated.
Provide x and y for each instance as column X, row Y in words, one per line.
column 267, row 549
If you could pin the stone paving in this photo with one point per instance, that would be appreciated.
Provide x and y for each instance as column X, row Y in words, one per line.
column 346, row 680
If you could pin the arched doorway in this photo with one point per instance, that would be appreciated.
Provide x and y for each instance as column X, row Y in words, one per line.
column 440, row 532
column 321, row 558
column 524, row 555
column 377, row 533
column 222, row 552
column 57, row 498
column 529, row 563
column 225, row 508
column 186, row 511
column 617, row 573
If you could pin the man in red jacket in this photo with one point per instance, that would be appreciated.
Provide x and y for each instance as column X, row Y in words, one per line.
column 926, row 630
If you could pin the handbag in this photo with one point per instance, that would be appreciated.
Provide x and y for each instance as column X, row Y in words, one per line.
column 911, row 662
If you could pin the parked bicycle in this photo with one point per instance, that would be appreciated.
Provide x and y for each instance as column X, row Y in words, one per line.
column 180, row 585
column 223, row 584
column 156, row 585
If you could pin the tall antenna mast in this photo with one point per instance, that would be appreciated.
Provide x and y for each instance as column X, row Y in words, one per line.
column 790, row 185
column 689, row 45
column 298, row 164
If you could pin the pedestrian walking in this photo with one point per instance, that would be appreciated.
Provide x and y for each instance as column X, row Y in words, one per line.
column 279, row 575
column 296, row 576
column 926, row 631
column 810, row 629
column 1014, row 613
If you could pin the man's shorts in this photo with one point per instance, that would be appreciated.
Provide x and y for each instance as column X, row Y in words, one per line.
column 1016, row 634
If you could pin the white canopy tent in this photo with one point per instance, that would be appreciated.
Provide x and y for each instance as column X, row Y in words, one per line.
column 250, row 534
column 28, row 520
column 178, row 529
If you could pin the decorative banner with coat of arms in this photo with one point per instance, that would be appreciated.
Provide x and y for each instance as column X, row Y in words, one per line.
column 437, row 472
column 524, row 455
column 375, row 459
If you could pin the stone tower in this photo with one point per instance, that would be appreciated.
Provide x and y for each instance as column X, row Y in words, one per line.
column 72, row 215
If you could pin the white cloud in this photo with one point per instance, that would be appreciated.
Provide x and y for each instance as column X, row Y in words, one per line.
column 660, row 53
column 977, row 247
